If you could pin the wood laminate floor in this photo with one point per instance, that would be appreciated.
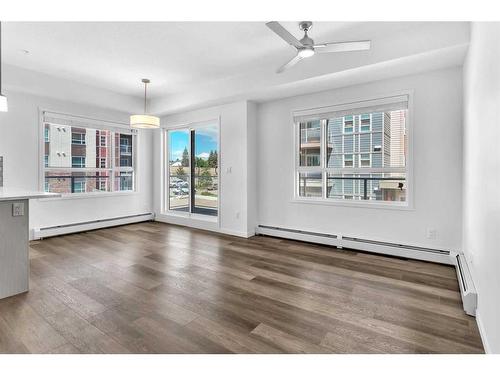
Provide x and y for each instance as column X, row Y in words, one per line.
column 157, row 288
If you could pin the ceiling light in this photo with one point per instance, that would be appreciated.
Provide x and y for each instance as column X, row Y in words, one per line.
column 145, row 121
column 3, row 100
column 306, row 52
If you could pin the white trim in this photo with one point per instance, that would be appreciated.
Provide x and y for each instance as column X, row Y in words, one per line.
column 393, row 205
column 482, row 333
column 377, row 104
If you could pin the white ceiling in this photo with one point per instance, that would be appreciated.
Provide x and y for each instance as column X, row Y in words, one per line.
column 194, row 63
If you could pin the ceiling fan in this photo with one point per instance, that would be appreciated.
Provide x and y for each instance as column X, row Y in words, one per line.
column 306, row 47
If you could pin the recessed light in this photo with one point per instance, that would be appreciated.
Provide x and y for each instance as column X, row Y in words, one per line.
column 25, row 51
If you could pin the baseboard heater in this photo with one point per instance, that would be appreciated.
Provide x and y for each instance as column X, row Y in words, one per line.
column 337, row 240
column 467, row 288
column 57, row 230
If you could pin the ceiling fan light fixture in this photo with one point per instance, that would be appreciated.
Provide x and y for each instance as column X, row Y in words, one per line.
column 145, row 121
column 306, row 52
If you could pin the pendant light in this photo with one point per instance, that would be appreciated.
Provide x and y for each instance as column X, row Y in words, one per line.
column 144, row 121
column 3, row 99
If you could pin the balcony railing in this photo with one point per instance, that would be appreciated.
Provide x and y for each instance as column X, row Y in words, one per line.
column 310, row 135
column 311, row 186
column 365, row 182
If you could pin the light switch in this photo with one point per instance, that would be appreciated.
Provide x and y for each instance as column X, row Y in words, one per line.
column 18, row 209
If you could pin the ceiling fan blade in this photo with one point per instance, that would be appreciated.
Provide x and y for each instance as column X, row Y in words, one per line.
column 284, row 34
column 360, row 45
column 289, row 64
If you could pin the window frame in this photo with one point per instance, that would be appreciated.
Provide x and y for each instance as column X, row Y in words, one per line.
column 82, row 140
column 97, row 124
column 396, row 205
column 361, row 159
column 83, row 161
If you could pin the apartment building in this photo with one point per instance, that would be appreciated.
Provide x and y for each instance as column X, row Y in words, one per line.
column 364, row 153
column 80, row 160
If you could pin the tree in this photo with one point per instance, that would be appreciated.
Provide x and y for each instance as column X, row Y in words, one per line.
column 212, row 160
column 205, row 178
column 200, row 163
column 185, row 158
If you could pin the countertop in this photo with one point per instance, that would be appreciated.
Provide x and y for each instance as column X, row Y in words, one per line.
column 11, row 194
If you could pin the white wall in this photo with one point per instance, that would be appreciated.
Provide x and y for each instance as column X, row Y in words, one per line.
column 481, row 159
column 19, row 137
column 437, row 129
column 237, row 188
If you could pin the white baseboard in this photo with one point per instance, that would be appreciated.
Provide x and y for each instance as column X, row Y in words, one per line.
column 208, row 224
column 482, row 333
column 39, row 233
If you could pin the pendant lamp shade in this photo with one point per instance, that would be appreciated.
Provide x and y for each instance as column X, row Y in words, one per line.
column 145, row 121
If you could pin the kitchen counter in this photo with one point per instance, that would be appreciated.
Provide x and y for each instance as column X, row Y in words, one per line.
column 12, row 194
column 14, row 239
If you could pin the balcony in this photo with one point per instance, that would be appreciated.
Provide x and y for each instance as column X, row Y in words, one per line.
column 125, row 150
column 310, row 135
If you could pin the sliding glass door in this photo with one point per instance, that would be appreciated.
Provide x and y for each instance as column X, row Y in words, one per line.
column 192, row 172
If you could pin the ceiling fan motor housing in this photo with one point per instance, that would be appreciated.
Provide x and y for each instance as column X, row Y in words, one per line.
column 306, row 26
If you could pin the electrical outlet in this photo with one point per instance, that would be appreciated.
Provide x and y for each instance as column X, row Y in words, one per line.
column 18, row 209
column 431, row 233
column 229, row 170
column 237, row 215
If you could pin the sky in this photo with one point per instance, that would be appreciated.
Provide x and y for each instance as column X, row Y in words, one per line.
column 205, row 141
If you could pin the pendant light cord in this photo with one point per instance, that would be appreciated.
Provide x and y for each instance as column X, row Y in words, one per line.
column 145, row 95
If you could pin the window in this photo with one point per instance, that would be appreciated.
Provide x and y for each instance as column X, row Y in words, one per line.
column 103, row 140
column 192, row 169
column 348, row 124
column 46, row 134
column 78, row 162
column 77, row 138
column 102, row 184
column 360, row 152
column 85, row 156
column 365, row 160
column 365, row 123
column 79, row 186
column 348, row 160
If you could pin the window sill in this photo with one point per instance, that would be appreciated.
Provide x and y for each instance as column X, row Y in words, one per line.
column 356, row 204
column 190, row 216
column 92, row 195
